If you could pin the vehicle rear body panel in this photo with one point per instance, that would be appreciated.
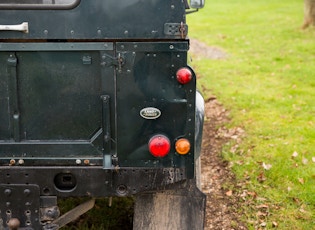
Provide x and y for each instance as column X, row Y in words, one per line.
column 95, row 19
column 150, row 81
column 55, row 112
column 84, row 86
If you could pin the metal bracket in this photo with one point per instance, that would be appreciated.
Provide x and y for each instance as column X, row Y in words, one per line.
column 106, row 131
column 49, row 210
column 108, row 60
column 13, row 96
column 19, row 206
column 176, row 29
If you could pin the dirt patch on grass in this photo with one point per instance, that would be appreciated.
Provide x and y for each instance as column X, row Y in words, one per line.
column 203, row 50
column 223, row 207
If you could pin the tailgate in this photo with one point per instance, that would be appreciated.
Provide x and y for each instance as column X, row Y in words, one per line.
column 52, row 102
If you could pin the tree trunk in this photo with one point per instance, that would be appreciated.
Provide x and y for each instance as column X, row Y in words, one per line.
column 309, row 13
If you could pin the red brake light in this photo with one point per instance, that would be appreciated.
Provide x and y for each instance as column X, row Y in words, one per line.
column 159, row 146
column 183, row 75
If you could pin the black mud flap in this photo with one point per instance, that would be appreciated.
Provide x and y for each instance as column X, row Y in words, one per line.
column 176, row 209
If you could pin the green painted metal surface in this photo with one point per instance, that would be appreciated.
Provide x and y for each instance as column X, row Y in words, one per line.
column 95, row 19
column 84, row 86
column 75, row 82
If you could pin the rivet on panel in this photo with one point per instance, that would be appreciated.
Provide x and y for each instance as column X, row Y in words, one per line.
column 7, row 192
column 27, row 192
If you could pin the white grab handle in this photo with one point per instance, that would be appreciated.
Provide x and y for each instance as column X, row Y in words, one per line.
column 23, row 27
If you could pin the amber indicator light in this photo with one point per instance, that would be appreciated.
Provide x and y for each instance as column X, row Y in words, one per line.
column 182, row 146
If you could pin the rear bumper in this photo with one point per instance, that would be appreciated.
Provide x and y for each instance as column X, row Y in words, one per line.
column 91, row 181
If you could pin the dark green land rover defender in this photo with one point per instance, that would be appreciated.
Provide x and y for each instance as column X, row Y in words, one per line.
column 97, row 100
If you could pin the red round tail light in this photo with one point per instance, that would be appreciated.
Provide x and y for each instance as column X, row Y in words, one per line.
column 184, row 75
column 159, row 145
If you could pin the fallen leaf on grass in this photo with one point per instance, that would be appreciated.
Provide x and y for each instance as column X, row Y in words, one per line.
column 263, row 207
column 296, row 200
column 302, row 210
column 261, row 214
column 263, row 224
column 295, row 165
column 244, row 194
column 304, row 161
column 261, row 177
column 301, row 180
column 229, row 193
column 239, row 162
column 261, row 199
column 274, row 224
column 253, row 194
column 303, row 214
column 266, row 166
column 295, row 154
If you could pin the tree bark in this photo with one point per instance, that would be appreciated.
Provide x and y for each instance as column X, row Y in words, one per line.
column 309, row 13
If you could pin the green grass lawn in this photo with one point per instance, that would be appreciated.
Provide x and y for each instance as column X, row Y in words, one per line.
column 267, row 82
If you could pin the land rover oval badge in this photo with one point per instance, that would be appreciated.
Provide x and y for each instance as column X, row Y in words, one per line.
column 150, row 113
